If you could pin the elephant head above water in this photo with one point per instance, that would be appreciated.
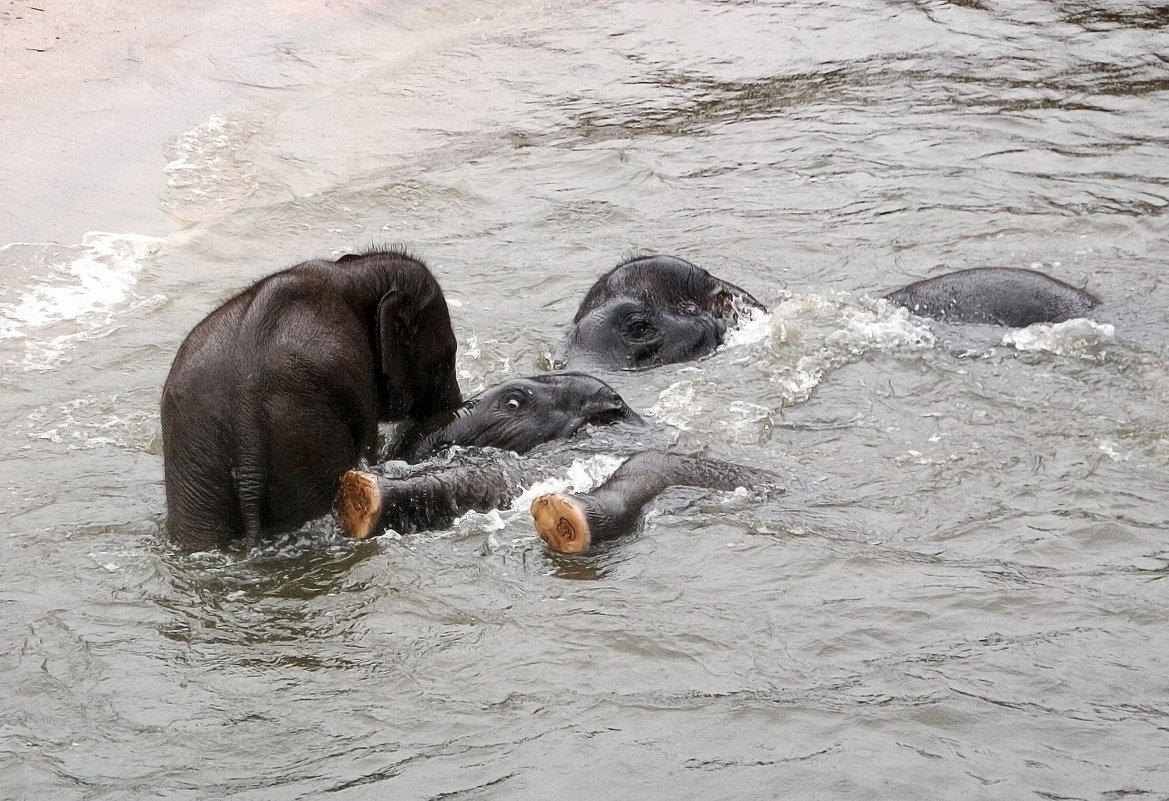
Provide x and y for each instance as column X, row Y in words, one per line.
column 519, row 414
column 278, row 392
column 654, row 310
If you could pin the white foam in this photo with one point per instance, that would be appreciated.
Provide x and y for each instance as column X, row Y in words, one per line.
column 754, row 326
column 1113, row 451
column 209, row 170
column 800, row 342
column 582, row 475
column 85, row 289
column 203, row 156
column 871, row 326
column 1080, row 337
column 676, row 406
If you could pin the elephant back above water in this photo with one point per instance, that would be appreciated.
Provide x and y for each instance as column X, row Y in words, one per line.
column 279, row 391
column 658, row 310
column 995, row 296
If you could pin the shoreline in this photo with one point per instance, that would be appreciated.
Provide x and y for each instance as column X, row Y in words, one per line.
column 90, row 96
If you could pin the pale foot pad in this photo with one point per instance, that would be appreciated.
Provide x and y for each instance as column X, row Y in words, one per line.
column 358, row 504
column 561, row 522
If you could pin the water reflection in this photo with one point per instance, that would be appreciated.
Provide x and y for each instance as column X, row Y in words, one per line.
column 268, row 596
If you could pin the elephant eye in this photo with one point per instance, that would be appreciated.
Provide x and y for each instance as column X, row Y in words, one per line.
column 513, row 403
column 639, row 329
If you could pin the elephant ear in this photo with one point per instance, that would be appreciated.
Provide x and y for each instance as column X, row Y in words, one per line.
column 417, row 350
column 396, row 354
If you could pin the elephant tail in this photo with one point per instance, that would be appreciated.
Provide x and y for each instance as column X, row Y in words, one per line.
column 250, row 474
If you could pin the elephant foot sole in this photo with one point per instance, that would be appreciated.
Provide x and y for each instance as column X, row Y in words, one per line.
column 561, row 522
column 358, row 505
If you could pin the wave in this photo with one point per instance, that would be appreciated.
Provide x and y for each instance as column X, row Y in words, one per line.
column 69, row 293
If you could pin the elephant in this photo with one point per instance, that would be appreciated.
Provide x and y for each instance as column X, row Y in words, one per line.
column 654, row 310
column 657, row 310
column 279, row 391
column 367, row 504
column 492, row 430
column 574, row 523
column 519, row 414
column 996, row 296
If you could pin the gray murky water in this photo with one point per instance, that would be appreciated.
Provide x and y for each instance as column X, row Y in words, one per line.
column 961, row 596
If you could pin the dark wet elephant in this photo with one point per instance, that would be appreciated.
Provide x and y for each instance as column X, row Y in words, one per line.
column 654, row 310
column 995, row 296
column 493, row 429
column 480, row 480
column 279, row 391
column 519, row 414
column 657, row 310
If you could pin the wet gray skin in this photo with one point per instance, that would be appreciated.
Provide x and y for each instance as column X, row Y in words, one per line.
column 519, row 414
column 654, row 310
column 659, row 310
column 995, row 296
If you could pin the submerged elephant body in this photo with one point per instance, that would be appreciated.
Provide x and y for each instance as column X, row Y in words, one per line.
column 995, row 296
column 368, row 504
column 278, row 392
column 658, row 310
column 492, row 430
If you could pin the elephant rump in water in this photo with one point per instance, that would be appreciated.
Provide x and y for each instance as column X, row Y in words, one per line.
column 279, row 391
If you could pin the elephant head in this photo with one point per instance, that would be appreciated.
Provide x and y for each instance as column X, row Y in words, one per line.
column 654, row 310
column 519, row 414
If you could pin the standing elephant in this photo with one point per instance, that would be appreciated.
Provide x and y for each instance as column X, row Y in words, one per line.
column 279, row 391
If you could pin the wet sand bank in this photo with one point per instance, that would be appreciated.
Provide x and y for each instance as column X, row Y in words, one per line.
column 91, row 93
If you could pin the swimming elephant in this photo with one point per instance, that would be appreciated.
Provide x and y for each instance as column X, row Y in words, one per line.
column 367, row 504
column 654, row 310
column 279, row 391
column 995, row 296
column 492, row 429
column 519, row 414
column 657, row 310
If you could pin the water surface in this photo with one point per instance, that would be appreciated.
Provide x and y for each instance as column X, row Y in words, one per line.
column 962, row 593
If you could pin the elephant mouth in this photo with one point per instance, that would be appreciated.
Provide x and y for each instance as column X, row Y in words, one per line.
column 430, row 435
column 615, row 415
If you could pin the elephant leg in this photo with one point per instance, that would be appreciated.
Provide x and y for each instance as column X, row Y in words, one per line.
column 573, row 523
column 368, row 504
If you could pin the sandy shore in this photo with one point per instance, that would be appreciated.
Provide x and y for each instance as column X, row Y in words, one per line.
column 51, row 45
column 85, row 131
column 91, row 93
